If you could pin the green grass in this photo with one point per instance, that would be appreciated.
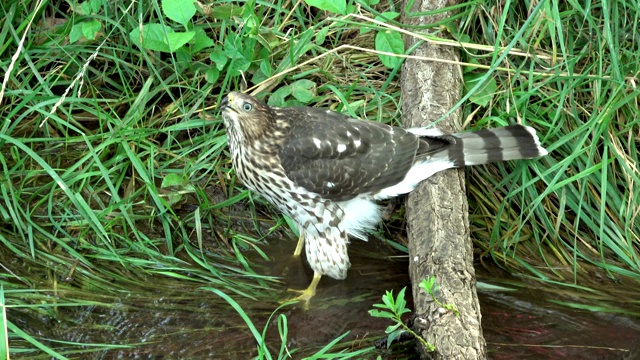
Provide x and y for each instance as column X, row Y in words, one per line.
column 584, row 102
column 115, row 176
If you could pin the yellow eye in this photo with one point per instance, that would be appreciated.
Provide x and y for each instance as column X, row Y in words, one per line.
column 247, row 107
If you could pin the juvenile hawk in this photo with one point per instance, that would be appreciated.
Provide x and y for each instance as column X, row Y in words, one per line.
column 326, row 170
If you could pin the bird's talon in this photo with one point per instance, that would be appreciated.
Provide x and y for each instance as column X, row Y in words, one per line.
column 308, row 293
column 305, row 296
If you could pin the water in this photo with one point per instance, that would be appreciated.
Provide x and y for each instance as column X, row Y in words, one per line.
column 179, row 320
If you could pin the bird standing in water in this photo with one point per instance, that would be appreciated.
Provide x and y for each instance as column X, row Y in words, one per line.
column 326, row 170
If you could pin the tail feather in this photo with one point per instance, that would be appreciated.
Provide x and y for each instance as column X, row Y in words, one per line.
column 493, row 145
column 438, row 152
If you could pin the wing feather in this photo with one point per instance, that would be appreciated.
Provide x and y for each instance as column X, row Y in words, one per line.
column 339, row 157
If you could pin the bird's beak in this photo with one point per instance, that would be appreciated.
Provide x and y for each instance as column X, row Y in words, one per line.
column 224, row 104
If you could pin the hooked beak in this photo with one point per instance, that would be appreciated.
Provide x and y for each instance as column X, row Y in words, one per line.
column 224, row 104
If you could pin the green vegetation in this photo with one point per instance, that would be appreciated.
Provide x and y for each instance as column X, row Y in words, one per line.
column 430, row 286
column 394, row 309
column 117, row 197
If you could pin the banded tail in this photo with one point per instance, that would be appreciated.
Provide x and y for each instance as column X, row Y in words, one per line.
column 438, row 152
column 493, row 145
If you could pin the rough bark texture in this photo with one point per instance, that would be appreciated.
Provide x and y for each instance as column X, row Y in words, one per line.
column 437, row 211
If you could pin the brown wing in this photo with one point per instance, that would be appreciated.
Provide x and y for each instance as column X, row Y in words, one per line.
column 339, row 157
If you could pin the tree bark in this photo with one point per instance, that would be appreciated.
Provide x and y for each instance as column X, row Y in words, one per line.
column 437, row 211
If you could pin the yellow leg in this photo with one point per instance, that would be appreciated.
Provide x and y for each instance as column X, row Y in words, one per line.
column 299, row 247
column 309, row 292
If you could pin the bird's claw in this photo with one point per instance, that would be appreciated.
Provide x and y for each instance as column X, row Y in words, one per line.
column 309, row 292
column 304, row 297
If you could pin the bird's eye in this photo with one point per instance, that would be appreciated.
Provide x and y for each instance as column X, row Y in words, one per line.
column 247, row 107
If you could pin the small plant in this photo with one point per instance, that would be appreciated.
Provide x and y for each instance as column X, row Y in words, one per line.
column 87, row 27
column 429, row 285
column 393, row 308
column 161, row 37
column 303, row 91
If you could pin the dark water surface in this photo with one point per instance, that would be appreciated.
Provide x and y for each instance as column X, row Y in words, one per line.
column 518, row 324
column 525, row 325
column 184, row 321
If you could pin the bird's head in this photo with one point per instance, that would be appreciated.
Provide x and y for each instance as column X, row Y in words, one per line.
column 246, row 117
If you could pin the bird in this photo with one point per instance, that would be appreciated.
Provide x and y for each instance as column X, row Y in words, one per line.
column 327, row 171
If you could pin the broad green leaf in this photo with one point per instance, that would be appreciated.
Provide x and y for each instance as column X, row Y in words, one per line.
column 365, row 29
column 233, row 47
column 85, row 8
column 200, row 41
column 351, row 8
column 183, row 59
column 86, row 29
column 212, row 75
column 278, row 97
column 226, row 11
column 268, row 42
column 390, row 41
column 483, row 95
column 400, row 301
column 91, row 7
column 392, row 328
column 428, row 284
column 303, row 90
column 265, row 67
column 258, row 77
column 180, row 11
column 394, row 335
column 238, row 66
column 157, row 37
column 336, row 6
column 172, row 179
column 218, row 57
column 177, row 40
column 251, row 22
column 387, row 299
column 91, row 28
column 453, row 29
column 321, row 35
column 381, row 314
column 76, row 33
